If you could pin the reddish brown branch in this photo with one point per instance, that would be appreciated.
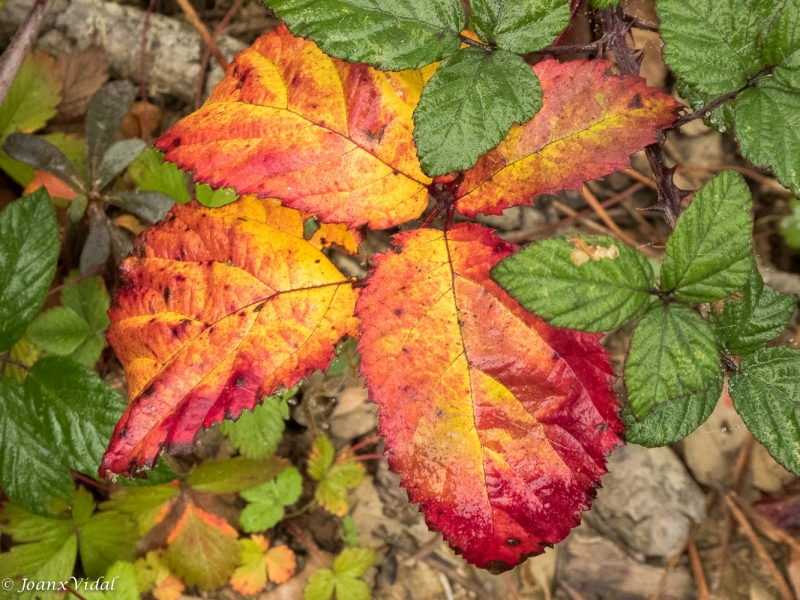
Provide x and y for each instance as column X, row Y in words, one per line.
column 201, row 75
column 12, row 58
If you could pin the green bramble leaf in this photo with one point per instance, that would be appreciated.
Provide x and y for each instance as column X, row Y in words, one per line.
column 345, row 578
column 520, row 26
column 234, row 474
column 336, row 483
column 588, row 283
column 745, row 324
column 675, row 419
column 143, row 504
column 468, row 106
column 267, row 501
column 58, row 331
column 149, row 173
column 766, row 392
column 712, row 44
column 257, row 434
column 673, row 354
column 29, row 247
column 31, row 469
column 708, row 257
column 386, row 34
column 214, row 198
column 78, row 410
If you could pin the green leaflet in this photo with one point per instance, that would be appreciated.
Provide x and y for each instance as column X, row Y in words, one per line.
column 143, row 505
column 234, row 474
column 29, row 247
column 149, row 173
column 31, row 470
column 746, row 324
column 256, row 434
column 675, row 419
column 77, row 410
column 588, row 283
column 321, row 457
column 790, row 225
column 267, row 501
column 214, row 198
column 766, row 393
column 59, row 331
column 345, row 578
column 520, row 26
column 123, row 577
column 707, row 257
column 673, row 354
column 386, row 34
column 713, row 44
column 468, row 106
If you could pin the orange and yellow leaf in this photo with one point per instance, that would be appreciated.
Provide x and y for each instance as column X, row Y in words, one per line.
column 218, row 308
column 591, row 121
column 498, row 424
column 324, row 136
column 260, row 563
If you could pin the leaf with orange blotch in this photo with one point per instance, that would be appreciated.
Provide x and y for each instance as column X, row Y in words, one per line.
column 55, row 187
column 324, row 136
column 260, row 563
column 591, row 121
column 497, row 423
column 336, row 234
column 218, row 309
column 202, row 549
column 154, row 576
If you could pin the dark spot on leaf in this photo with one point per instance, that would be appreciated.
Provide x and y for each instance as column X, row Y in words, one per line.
column 260, row 307
column 176, row 142
column 123, row 433
column 316, row 262
column 167, row 294
column 240, row 381
column 398, row 311
column 601, row 426
column 556, row 355
column 513, row 542
column 439, row 512
column 636, row 102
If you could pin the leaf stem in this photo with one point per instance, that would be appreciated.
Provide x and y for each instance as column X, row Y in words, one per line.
column 596, row 46
column 15, row 363
column 370, row 440
column 301, row 510
column 366, row 457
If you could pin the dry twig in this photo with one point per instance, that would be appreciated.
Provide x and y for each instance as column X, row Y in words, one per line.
column 210, row 42
column 697, row 571
column 11, row 59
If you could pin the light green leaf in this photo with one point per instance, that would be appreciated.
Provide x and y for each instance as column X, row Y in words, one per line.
column 29, row 247
column 468, row 106
column 119, row 583
column 58, row 331
column 351, row 589
column 673, row 354
column 31, row 469
column 766, row 393
column 267, row 501
column 321, row 457
column 338, row 480
column 149, row 173
column 214, row 198
column 143, row 504
column 709, row 254
column 320, row 585
column 790, row 225
column 78, row 410
column 88, row 298
column 23, row 352
column 712, row 44
column 520, row 26
column 747, row 323
column 386, row 34
column 105, row 539
column 353, row 562
column 588, row 283
column 675, row 419
column 256, row 434
column 234, row 474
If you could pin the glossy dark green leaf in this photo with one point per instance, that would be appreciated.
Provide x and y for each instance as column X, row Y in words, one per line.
column 31, row 469
column 114, row 161
column 520, row 26
column 44, row 156
column 709, row 254
column 675, row 419
column 77, row 409
column 468, row 106
column 766, row 393
column 104, row 117
column 749, row 320
column 387, row 34
column 29, row 248
column 588, row 283
column 673, row 354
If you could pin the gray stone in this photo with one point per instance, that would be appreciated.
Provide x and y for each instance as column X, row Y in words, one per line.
column 648, row 501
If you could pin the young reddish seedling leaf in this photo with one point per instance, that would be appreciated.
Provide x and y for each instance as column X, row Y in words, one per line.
column 218, row 309
column 591, row 121
column 324, row 136
column 498, row 424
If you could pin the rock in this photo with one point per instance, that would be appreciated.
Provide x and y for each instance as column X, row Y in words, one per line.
column 768, row 475
column 648, row 501
column 354, row 414
column 510, row 219
column 598, row 569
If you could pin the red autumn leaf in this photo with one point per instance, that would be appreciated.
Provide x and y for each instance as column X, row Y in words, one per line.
column 322, row 135
column 497, row 423
column 218, row 308
column 591, row 121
